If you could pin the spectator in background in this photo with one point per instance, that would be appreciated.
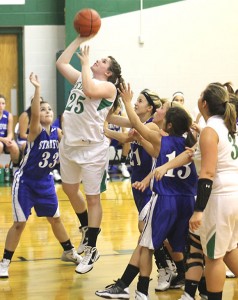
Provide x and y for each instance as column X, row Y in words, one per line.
column 7, row 144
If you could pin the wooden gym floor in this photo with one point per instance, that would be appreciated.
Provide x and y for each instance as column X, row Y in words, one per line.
column 37, row 272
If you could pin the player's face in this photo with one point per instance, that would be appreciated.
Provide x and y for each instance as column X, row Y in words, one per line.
column 46, row 114
column 2, row 104
column 200, row 103
column 179, row 99
column 141, row 105
column 160, row 114
column 101, row 66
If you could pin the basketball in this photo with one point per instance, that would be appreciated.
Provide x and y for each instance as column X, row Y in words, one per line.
column 87, row 21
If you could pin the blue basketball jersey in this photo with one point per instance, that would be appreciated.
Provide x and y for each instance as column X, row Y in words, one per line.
column 141, row 164
column 178, row 181
column 140, row 161
column 41, row 156
column 4, row 124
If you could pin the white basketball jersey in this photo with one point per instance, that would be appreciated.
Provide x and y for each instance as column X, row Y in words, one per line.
column 84, row 118
column 226, row 178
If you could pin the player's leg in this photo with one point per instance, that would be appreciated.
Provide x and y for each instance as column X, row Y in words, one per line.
column 120, row 289
column 216, row 283
column 94, row 223
column 12, row 240
column 60, row 233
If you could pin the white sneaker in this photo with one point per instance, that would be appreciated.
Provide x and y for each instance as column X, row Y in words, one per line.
column 172, row 267
column 141, row 296
column 56, row 175
column 84, row 240
column 164, row 279
column 72, row 256
column 124, row 170
column 117, row 290
column 186, row 296
column 4, row 266
column 90, row 257
column 108, row 176
column 229, row 274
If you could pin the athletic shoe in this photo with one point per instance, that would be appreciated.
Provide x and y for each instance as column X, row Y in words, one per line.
column 108, row 176
column 141, row 296
column 124, row 170
column 71, row 256
column 203, row 296
column 90, row 257
column 117, row 290
column 164, row 279
column 56, row 175
column 186, row 296
column 172, row 267
column 4, row 266
column 229, row 274
column 178, row 281
column 84, row 240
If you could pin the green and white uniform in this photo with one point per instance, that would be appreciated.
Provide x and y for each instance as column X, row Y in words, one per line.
column 84, row 148
column 219, row 229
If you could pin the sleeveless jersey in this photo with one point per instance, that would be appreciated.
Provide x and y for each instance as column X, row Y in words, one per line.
column 226, row 177
column 140, row 161
column 178, row 181
column 4, row 124
column 40, row 156
column 84, row 118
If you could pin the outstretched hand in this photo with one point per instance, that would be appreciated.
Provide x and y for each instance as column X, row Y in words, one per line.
column 84, row 55
column 34, row 79
column 125, row 92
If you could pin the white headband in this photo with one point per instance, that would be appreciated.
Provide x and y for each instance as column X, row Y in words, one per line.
column 178, row 94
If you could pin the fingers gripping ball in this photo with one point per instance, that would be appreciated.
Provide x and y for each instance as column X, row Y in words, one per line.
column 87, row 21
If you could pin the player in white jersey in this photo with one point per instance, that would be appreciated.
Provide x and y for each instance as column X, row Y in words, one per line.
column 216, row 209
column 84, row 147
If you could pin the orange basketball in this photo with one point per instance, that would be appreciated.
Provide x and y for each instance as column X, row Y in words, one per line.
column 87, row 21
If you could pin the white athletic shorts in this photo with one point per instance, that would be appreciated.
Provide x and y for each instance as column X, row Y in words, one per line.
column 219, row 229
column 86, row 163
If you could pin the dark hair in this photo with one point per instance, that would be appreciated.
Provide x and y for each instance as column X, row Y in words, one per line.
column 152, row 98
column 116, row 79
column 233, row 98
column 217, row 98
column 1, row 96
column 181, row 122
column 28, row 110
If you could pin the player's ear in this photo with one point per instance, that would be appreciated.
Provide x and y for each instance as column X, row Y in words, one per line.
column 108, row 73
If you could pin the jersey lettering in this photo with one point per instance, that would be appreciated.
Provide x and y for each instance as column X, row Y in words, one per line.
column 135, row 158
column 45, row 160
column 182, row 174
column 233, row 141
column 77, row 104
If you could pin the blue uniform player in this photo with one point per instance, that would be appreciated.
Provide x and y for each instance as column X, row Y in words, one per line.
column 141, row 164
column 168, row 212
column 7, row 144
column 33, row 184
